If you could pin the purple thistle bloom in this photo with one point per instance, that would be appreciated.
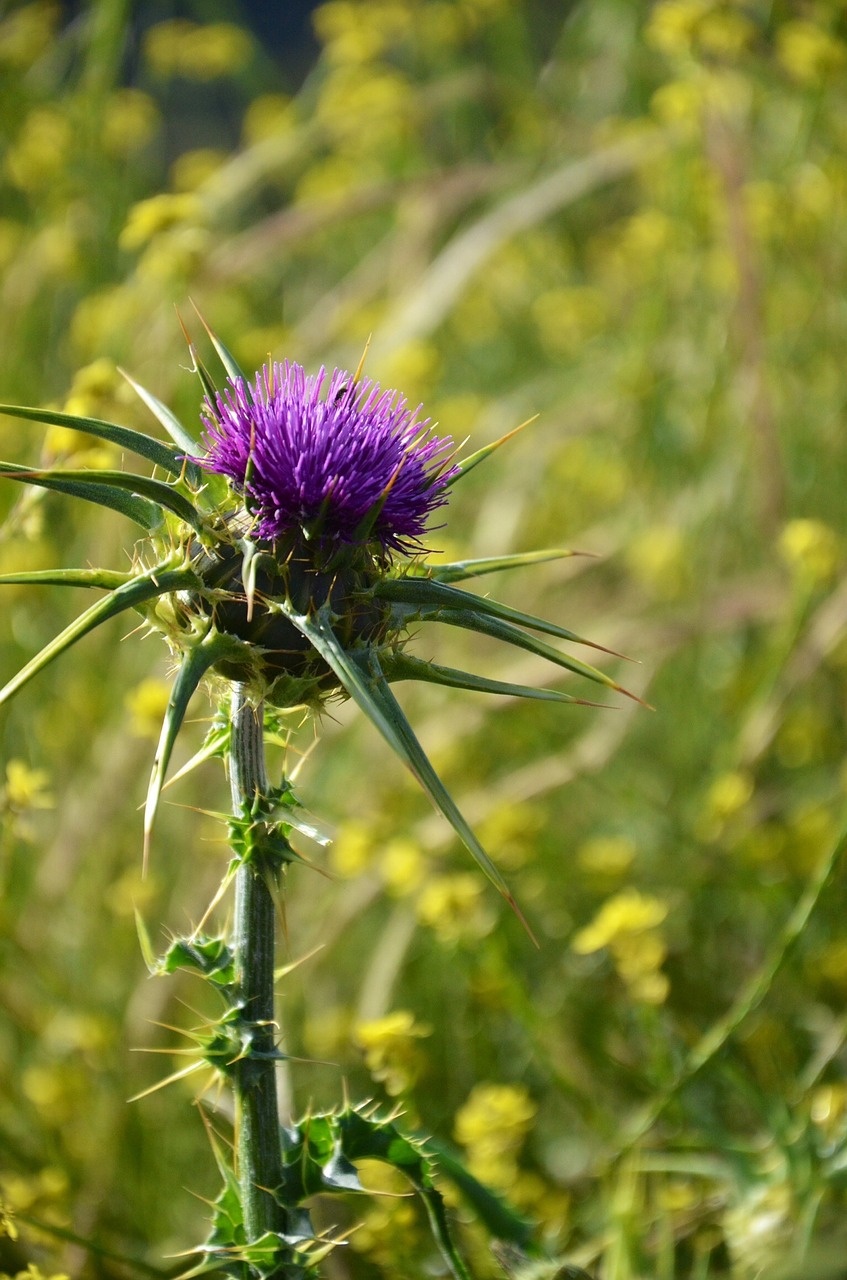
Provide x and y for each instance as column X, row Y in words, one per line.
column 323, row 463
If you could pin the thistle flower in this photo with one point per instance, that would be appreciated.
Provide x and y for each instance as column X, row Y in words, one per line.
column 301, row 576
column 350, row 465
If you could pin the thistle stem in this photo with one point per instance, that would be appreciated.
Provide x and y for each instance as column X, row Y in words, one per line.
column 256, row 1114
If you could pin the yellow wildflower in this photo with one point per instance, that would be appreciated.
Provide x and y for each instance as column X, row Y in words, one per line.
column 130, row 120
column 492, row 1125
column 146, row 705
column 606, row 855
column 159, row 213
column 27, row 788
column 266, row 116
column 728, row 794
column 658, row 560
column 808, row 52
column 673, row 24
column 27, row 33
column 811, row 549
column 628, row 925
column 391, row 1050
column 40, row 150
column 196, row 51
column 190, row 170
column 568, row 317
column 353, row 849
column 456, row 907
column 403, row 866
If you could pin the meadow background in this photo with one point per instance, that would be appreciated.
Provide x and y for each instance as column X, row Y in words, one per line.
column 628, row 218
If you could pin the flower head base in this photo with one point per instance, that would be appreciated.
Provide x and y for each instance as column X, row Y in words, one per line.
column 348, row 466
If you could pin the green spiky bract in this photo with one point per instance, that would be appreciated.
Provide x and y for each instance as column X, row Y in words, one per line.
column 295, row 621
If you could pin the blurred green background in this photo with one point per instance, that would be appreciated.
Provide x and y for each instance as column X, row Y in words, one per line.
column 627, row 217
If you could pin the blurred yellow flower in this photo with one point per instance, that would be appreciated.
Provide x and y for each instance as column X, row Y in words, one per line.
column 268, row 115
column 728, row 794
column 628, row 925
column 673, row 24
column 808, row 52
column 606, row 855
column 26, row 788
column 41, row 149
column 725, row 33
column 159, row 213
column 658, row 560
column 178, row 47
column 568, row 317
column 146, row 705
column 402, row 866
column 492, row 1125
column 679, row 102
column 457, row 907
column 7, row 1224
column 811, row 549
column 130, row 119
column 27, row 33
column 190, row 170
column 391, row 1050
column 354, row 849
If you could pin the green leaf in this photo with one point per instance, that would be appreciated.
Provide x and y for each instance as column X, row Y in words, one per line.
column 195, row 663
column 360, row 674
column 177, row 432
column 475, row 459
column 438, row 595
column 154, row 583
column 163, row 455
column 496, row 1214
column 226, row 357
column 402, row 666
column 513, row 635
column 141, row 510
column 106, row 579
column 461, row 570
column 102, row 482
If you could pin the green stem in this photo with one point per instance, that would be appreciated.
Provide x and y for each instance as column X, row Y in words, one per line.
column 257, row 1121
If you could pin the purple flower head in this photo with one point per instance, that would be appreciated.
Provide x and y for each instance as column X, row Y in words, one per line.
column 324, row 462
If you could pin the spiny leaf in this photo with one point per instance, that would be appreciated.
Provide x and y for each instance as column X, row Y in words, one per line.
column 133, row 593
column 195, row 663
column 461, row 570
column 85, row 483
column 226, row 357
column 402, row 666
column 363, row 679
column 481, row 454
column 163, row 455
column 510, row 634
column 107, row 579
column 177, row 432
column 496, row 1214
column 145, row 513
column 438, row 595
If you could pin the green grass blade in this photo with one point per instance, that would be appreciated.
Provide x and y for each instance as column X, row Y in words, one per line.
column 509, row 634
column 107, row 579
column 182, row 438
column 128, row 596
column 461, row 570
column 361, row 676
column 163, row 455
column 438, row 595
column 143, row 512
column 195, row 663
column 157, row 492
column 402, row 666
